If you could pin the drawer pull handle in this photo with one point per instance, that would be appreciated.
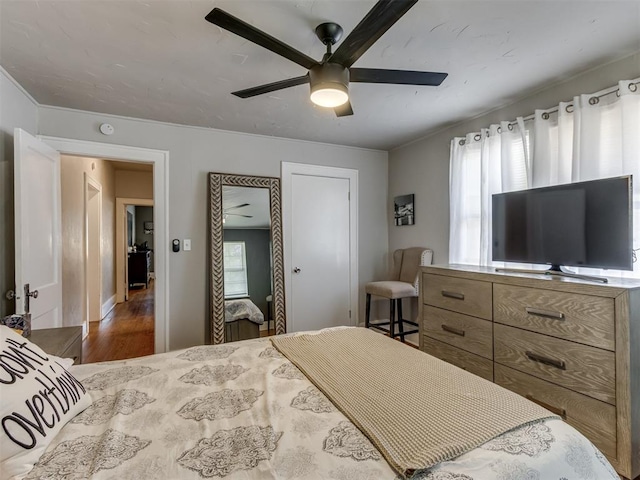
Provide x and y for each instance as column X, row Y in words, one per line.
column 546, row 360
column 545, row 313
column 456, row 295
column 455, row 331
column 558, row 411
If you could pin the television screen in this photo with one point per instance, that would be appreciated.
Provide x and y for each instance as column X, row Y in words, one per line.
column 585, row 224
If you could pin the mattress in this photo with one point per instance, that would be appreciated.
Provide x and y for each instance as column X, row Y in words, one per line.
column 243, row 411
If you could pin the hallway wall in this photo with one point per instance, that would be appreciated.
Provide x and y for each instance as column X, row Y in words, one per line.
column 72, row 171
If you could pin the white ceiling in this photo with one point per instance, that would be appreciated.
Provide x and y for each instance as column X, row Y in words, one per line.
column 161, row 60
column 258, row 208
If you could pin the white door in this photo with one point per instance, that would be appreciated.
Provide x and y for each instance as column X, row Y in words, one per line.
column 37, row 230
column 320, row 233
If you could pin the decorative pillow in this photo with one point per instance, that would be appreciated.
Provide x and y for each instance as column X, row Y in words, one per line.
column 39, row 396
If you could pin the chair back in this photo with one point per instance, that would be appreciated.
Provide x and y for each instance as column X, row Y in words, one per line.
column 407, row 261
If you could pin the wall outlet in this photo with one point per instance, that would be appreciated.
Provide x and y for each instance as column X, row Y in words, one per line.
column 187, row 244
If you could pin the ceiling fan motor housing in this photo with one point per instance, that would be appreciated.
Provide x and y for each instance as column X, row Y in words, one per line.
column 329, row 77
column 329, row 33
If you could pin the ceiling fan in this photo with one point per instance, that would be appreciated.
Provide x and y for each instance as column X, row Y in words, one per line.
column 330, row 77
column 226, row 211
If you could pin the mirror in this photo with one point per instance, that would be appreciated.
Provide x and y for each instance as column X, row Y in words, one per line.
column 246, row 231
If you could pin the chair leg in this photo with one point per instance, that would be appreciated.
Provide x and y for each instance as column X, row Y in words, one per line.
column 400, row 320
column 392, row 320
column 367, row 310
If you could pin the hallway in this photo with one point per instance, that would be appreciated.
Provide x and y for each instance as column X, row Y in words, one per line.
column 126, row 332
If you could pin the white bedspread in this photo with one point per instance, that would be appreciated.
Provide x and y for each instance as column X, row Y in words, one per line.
column 242, row 308
column 242, row 411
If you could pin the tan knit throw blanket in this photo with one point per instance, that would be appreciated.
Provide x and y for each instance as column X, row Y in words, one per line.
column 416, row 409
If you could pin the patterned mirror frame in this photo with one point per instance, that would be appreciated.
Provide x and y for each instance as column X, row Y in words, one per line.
column 216, row 267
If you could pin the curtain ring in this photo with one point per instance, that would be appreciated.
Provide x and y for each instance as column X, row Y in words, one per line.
column 499, row 130
column 594, row 101
column 633, row 87
column 545, row 116
column 477, row 137
column 569, row 108
column 462, row 142
column 510, row 126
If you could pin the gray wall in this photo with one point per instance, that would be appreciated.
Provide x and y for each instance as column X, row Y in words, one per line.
column 196, row 151
column 258, row 262
column 422, row 167
column 16, row 110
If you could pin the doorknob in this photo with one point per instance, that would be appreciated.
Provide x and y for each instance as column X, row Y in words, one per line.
column 28, row 294
column 296, row 270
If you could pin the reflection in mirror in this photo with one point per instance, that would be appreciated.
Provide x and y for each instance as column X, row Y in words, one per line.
column 248, row 266
column 246, row 270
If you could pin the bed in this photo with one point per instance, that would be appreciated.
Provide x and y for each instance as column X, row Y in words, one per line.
column 242, row 319
column 245, row 411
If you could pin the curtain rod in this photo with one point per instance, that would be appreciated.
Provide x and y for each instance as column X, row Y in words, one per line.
column 593, row 100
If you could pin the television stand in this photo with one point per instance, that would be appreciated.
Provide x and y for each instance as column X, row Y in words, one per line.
column 556, row 270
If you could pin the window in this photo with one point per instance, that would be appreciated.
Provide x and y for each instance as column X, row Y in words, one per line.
column 235, row 270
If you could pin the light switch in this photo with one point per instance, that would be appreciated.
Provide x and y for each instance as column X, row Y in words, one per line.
column 187, row 244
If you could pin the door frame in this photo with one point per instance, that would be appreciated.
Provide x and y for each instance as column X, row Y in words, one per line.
column 289, row 169
column 122, row 268
column 160, row 161
column 91, row 183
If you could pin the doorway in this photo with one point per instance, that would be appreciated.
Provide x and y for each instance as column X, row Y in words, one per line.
column 89, row 273
column 320, row 245
column 159, row 161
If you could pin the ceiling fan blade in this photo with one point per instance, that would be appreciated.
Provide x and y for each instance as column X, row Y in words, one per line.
column 237, row 206
column 271, row 87
column 344, row 110
column 400, row 77
column 379, row 19
column 239, row 215
column 235, row 25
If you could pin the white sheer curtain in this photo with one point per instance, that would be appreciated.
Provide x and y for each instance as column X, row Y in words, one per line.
column 594, row 136
column 494, row 160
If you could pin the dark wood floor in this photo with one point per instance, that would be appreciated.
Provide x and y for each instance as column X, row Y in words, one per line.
column 126, row 332
column 267, row 333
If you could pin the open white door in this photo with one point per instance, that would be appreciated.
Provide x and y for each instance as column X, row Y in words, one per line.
column 37, row 231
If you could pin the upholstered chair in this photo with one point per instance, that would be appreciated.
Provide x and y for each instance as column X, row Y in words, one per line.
column 404, row 283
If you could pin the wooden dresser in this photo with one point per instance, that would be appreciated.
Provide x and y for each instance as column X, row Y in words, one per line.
column 139, row 268
column 65, row 342
column 569, row 345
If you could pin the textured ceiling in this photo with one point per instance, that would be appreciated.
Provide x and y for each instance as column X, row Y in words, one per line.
column 161, row 60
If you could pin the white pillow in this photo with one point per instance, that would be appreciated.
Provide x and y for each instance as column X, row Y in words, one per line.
column 33, row 408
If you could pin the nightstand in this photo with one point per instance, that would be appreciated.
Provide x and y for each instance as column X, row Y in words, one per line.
column 65, row 342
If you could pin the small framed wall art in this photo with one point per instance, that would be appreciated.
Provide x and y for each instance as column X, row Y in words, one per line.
column 403, row 209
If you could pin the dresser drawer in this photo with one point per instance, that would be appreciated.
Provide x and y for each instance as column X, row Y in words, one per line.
column 471, row 297
column 579, row 318
column 593, row 418
column 581, row 368
column 468, row 333
column 460, row 358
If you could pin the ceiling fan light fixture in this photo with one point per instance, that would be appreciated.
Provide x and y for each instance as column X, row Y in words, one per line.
column 329, row 96
column 329, row 85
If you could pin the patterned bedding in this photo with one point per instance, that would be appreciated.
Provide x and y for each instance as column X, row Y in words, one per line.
column 242, row 308
column 242, row 411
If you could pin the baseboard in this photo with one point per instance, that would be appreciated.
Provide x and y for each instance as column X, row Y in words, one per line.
column 108, row 306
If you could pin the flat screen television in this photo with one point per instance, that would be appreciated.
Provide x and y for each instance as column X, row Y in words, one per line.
column 585, row 224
